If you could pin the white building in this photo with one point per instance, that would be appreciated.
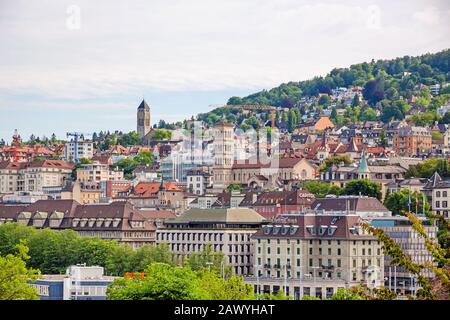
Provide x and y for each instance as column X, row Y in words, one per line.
column 84, row 149
column 226, row 230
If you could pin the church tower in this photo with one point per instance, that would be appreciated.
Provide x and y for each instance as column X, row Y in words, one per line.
column 223, row 155
column 143, row 119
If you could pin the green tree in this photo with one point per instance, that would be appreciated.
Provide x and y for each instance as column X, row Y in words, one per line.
column 162, row 134
column 129, row 139
column 320, row 189
column 78, row 165
column 207, row 259
column 382, row 141
column 335, row 160
column 363, row 187
column 324, row 100
column 15, row 276
column 144, row 158
column 369, row 114
column 426, row 168
column 439, row 287
column 235, row 186
column 397, row 202
column 374, row 90
column 162, row 282
column 345, row 294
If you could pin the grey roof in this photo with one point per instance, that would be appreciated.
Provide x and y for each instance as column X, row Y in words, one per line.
column 229, row 216
column 144, row 105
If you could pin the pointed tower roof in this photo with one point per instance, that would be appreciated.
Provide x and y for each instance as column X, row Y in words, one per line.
column 363, row 167
column 144, row 105
column 223, row 123
column 161, row 186
column 433, row 181
column 352, row 146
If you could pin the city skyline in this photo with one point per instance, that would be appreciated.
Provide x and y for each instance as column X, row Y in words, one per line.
column 89, row 73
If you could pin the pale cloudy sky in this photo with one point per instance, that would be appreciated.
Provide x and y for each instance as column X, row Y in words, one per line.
column 63, row 71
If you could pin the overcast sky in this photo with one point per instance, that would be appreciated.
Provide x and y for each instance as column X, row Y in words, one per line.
column 85, row 65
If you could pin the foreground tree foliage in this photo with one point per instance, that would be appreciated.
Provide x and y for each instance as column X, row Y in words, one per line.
column 439, row 287
column 363, row 187
column 397, row 202
column 320, row 189
column 426, row 168
column 53, row 251
column 15, row 276
column 166, row 282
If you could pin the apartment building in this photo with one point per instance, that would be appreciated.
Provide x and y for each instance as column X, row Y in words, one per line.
column 315, row 255
column 399, row 229
column 77, row 150
column 35, row 176
column 98, row 172
column 198, row 181
column 226, row 230
column 119, row 221
column 437, row 191
column 412, row 141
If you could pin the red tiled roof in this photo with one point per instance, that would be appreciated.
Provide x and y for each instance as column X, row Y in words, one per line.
column 148, row 189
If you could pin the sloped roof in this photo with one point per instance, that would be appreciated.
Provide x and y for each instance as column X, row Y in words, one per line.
column 230, row 215
column 362, row 204
column 144, row 105
column 299, row 225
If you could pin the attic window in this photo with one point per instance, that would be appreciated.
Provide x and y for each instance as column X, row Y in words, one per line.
column 267, row 230
column 311, row 230
column 293, row 229
column 322, row 230
column 276, row 229
column 354, row 230
column 332, row 230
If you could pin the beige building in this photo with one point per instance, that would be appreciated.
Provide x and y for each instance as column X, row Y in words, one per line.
column 314, row 255
column 143, row 126
column 223, row 147
column 226, row 230
column 412, row 141
column 399, row 229
column 98, row 172
column 33, row 176
column 256, row 174
column 118, row 221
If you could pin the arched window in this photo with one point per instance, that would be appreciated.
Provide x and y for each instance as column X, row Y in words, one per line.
column 444, row 193
column 438, row 193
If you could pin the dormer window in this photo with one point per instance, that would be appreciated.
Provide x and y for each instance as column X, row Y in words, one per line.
column 116, row 222
column 332, row 230
column 99, row 222
column 267, row 229
column 322, row 230
column 293, row 230
column 108, row 222
column 91, row 222
column 75, row 222
column 311, row 230
column 83, row 222
column 276, row 229
column 285, row 230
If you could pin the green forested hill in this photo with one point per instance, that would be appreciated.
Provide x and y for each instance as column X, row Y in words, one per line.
column 388, row 75
column 392, row 90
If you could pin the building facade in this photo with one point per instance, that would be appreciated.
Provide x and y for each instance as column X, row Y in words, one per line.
column 412, row 141
column 83, row 148
column 225, row 230
column 33, row 176
column 79, row 283
column 143, row 119
column 315, row 255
